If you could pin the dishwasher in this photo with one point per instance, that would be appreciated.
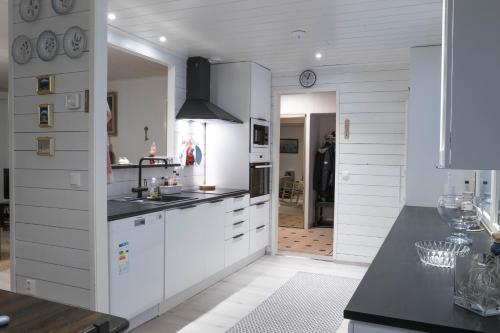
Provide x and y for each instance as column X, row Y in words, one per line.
column 136, row 261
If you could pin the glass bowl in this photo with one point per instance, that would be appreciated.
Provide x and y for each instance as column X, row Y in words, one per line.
column 461, row 215
column 440, row 253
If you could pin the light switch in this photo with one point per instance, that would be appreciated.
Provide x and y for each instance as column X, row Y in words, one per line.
column 73, row 101
column 75, row 179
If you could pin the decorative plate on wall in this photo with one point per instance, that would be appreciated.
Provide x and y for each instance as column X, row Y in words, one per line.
column 22, row 50
column 63, row 6
column 29, row 10
column 47, row 45
column 74, row 42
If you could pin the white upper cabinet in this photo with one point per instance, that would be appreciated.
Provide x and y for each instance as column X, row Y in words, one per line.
column 260, row 106
column 242, row 89
column 470, row 113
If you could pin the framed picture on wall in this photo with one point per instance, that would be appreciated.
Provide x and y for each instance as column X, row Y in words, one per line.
column 45, row 85
column 45, row 115
column 45, row 146
column 289, row 146
column 113, row 106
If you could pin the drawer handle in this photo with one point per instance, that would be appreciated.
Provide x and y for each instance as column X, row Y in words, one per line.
column 238, row 223
column 239, row 210
column 239, row 196
column 139, row 222
column 238, row 236
column 261, row 227
column 216, row 201
column 188, row 207
column 260, row 204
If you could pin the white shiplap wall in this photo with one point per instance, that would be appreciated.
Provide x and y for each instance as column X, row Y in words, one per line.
column 52, row 219
column 373, row 98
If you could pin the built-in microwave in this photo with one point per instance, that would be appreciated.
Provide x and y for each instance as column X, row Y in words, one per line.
column 259, row 140
column 260, row 182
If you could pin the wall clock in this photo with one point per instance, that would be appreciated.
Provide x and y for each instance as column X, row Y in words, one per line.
column 62, row 7
column 74, row 42
column 307, row 78
column 22, row 50
column 29, row 10
column 47, row 45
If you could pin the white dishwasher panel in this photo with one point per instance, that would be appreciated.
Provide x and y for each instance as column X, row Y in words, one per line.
column 136, row 260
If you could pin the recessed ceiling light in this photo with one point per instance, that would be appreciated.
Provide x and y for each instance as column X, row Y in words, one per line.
column 319, row 55
column 112, row 16
column 162, row 39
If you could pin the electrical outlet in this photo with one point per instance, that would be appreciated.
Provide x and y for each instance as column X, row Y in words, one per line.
column 31, row 286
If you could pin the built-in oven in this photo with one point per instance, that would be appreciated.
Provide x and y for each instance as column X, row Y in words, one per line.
column 260, row 182
column 259, row 140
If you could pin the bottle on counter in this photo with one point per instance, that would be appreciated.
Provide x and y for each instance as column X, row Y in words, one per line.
column 467, row 198
column 154, row 189
column 495, row 247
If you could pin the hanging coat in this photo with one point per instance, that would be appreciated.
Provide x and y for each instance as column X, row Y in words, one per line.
column 324, row 173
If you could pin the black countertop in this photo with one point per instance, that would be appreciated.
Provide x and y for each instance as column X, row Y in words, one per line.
column 401, row 292
column 118, row 209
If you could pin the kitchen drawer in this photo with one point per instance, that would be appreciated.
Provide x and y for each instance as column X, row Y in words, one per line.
column 237, row 215
column 237, row 248
column 259, row 214
column 236, row 228
column 237, row 202
column 259, row 238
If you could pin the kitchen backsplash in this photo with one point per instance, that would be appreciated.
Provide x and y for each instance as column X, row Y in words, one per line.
column 125, row 179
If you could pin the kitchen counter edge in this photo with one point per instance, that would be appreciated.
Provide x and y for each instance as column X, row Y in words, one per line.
column 147, row 208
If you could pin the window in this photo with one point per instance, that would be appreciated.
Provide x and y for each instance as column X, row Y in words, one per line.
column 488, row 191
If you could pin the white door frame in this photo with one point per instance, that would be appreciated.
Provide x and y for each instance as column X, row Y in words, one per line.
column 276, row 95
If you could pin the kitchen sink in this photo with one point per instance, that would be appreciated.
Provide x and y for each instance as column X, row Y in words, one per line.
column 161, row 200
column 172, row 198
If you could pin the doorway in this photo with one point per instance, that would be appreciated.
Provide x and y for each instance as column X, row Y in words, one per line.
column 307, row 160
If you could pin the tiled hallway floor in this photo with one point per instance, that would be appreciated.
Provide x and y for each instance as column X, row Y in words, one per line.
column 292, row 237
column 221, row 306
column 317, row 241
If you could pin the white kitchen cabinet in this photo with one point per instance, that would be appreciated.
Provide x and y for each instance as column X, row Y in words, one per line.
column 260, row 216
column 194, row 245
column 136, row 252
column 259, row 238
column 184, row 239
column 242, row 88
column 260, row 105
column 214, row 232
column 470, row 85
column 237, row 248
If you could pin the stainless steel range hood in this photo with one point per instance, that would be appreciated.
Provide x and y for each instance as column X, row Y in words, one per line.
column 198, row 106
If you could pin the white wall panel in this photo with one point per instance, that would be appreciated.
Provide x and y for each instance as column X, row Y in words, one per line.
column 373, row 158
column 51, row 218
column 29, row 104
column 62, row 256
column 71, row 238
column 57, row 292
column 49, row 179
column 62, row 218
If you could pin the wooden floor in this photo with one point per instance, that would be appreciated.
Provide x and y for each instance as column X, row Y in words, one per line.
column 221, row 306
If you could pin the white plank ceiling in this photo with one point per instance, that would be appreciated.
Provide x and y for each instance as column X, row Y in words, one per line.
column 344, row 31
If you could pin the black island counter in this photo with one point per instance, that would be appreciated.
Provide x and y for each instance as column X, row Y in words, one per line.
column 404, row 295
